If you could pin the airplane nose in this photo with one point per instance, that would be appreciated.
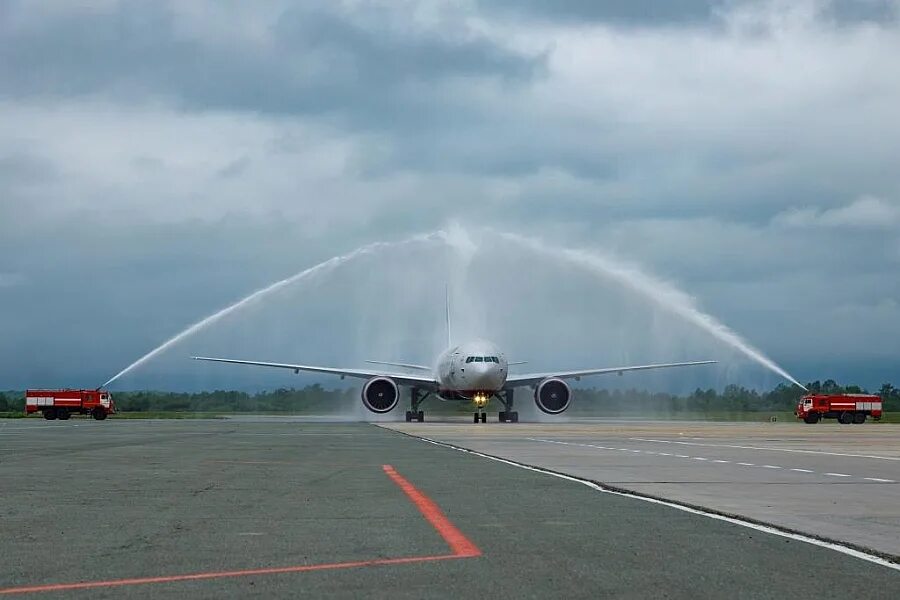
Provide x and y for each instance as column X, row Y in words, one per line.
column 484, row 376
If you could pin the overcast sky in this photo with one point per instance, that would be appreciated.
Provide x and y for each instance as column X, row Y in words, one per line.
column 159, row 160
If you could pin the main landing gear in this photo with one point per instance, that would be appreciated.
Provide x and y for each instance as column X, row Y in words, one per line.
column 508, row 415
column 416, row 398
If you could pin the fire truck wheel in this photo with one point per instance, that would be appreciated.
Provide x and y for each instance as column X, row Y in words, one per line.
column 846, row 418
column 859, row 418
column 811, row 418
column 62, row 414
column 99, row 414
column 49, row 413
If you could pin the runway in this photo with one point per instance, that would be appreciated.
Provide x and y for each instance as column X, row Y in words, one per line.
column 273, row 508
column 830, row 480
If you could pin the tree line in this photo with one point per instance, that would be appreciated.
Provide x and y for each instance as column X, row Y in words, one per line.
column 732, row 399
column 318, row 400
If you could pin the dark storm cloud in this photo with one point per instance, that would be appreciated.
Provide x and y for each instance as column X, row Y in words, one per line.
column 861, row 11
column 650, row 13
column 178, row 155
column 312, row 59
column 629, row 12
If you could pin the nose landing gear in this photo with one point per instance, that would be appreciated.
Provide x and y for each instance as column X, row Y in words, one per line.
column 505, row 416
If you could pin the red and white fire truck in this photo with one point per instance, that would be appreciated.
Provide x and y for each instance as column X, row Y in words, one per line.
column 60, row 404
column 846, row 408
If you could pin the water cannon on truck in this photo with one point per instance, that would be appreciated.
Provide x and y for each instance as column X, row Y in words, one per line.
column 61, row 404
column 846, row 408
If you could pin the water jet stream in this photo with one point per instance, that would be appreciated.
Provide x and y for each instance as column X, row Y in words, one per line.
column 322, row 267
column 660, row 292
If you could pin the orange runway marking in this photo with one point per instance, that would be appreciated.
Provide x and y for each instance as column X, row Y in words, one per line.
column 460, row 546
column 459, row 543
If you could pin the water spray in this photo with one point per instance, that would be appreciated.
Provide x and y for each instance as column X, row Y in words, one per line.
column 661, row 293
column 322, row 267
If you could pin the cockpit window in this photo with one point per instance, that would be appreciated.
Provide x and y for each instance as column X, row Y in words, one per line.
column 482, row 359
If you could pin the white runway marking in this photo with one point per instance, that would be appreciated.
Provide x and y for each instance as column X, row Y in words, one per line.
column 705, row 459
column 764, row 448
column 872, row 558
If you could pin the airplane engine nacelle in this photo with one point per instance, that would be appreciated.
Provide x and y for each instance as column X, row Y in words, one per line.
column 552, row 395
column 380, row 394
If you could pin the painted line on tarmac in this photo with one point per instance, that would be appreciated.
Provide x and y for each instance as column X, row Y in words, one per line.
column 458, row 542
column 764, row 448
column 460, row 546
column 85, row 585
column 701, row 458
column 844, row 548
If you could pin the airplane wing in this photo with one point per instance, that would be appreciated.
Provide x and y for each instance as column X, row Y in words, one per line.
column 402, row 379
column 534, row 378
column 399, row 364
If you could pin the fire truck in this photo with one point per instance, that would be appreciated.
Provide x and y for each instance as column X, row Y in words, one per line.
column 61, row 404
column 846, row 408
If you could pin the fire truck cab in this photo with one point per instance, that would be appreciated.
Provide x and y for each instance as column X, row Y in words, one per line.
column 846, row 408
column 61, row 404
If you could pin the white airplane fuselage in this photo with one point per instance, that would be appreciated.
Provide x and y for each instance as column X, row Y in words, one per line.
column 473, row 370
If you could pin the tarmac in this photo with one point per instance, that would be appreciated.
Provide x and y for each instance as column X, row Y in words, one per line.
column 287, row 508
column 839, row 482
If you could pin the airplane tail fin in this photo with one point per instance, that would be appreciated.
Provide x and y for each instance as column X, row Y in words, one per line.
column 449, row 337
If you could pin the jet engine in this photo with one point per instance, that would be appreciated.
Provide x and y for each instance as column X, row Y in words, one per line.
column 552, row 395
column 380, row 394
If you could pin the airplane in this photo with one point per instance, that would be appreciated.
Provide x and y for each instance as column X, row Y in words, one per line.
column 474, row 371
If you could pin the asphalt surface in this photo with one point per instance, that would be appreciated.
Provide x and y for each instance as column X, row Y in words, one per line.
column 840, row 482
column 84, row 501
